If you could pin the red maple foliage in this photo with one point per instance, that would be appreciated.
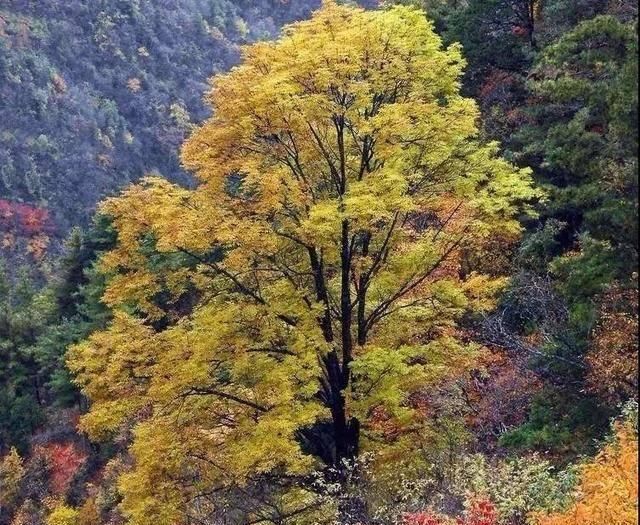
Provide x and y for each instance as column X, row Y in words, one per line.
column 481, row 512
column 64, row 459
column 23, row 219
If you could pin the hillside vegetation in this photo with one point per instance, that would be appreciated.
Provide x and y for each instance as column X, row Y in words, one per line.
column 94, row 95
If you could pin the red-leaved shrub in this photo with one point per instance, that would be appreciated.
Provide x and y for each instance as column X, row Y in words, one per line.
column 64, row 459
column 481, row 512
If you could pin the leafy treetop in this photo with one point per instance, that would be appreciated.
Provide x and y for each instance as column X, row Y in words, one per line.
column 286, row 313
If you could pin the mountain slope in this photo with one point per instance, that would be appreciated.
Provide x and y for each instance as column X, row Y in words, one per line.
column 94, row 95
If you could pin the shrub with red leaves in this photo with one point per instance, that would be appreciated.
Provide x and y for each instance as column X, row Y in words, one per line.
column 24, row 228
column 23, row 219
column 64, row 459
column 481, row 512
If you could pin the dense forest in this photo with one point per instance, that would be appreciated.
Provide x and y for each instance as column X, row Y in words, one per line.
column 96, row 94
column 295, row 262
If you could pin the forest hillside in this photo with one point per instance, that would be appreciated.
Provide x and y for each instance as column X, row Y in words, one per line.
column 96, row 94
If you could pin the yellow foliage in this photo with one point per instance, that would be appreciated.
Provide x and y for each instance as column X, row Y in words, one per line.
column 608, row 491
column 63, row 515
column 11, row 473
column 315, row 275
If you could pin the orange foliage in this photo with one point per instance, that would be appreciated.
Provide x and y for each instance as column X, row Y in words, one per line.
column 608, row 492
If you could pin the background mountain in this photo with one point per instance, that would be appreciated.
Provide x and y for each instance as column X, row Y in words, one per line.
column 93, row 95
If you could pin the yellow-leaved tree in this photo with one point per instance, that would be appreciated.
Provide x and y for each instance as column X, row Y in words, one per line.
column 608, row 491
column 288, row 313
